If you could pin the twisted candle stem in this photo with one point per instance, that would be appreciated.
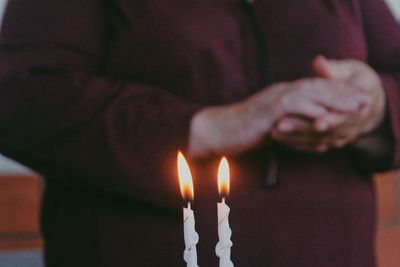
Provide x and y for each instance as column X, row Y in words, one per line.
column 191, row 248
column 223, row 247
column 191, row 238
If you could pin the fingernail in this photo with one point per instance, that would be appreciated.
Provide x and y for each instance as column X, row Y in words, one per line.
column 285, row 127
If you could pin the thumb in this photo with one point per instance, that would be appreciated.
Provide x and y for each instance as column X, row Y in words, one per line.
column 321, row 68
column 329, row 69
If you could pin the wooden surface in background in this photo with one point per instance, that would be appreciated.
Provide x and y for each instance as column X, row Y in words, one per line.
column 19, row 212
column 388, row 208
column 388, row 246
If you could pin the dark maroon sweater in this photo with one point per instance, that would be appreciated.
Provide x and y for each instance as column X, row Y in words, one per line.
column 97, row 95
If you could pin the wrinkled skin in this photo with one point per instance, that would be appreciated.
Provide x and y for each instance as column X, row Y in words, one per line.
column 311, row 114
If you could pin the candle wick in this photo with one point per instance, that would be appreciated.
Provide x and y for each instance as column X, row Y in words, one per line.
column 188, row 205
column 223, row 200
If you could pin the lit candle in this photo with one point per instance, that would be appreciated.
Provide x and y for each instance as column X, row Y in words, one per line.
column 223, row 247
column 190, row 235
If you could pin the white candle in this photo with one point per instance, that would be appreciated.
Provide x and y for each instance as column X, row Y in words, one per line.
column 223, row 247
column 191, row 237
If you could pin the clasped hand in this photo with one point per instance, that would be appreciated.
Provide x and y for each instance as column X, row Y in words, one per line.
column 344, row 101
column 337, row 127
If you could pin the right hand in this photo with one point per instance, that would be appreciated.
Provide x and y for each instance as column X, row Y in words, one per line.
column 245, row 125
column 338, row 129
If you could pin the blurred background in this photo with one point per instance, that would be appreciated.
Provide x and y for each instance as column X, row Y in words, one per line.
column 20, row 194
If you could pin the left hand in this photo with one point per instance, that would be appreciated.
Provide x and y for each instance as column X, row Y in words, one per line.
column 336, row 129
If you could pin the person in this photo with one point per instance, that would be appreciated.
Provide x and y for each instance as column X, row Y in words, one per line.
column 99, row 96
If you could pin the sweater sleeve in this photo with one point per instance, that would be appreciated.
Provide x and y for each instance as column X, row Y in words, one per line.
column 383, row 39
column 61, row 117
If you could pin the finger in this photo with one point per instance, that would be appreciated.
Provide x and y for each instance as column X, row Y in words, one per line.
column 341, row 137
column 335, row 95
column 340, row 143
column 293, row 124
column 306, row 147
column 315, row 142
column 352, row 71
column 320, row 67
column 303, row 106
column 304, row 141
column 308, row 137
column 346, row 96
column 331, row 69
column 330, row 121
column 343, row 140
column 363, row 79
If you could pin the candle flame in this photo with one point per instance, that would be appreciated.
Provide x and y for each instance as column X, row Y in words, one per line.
column 185, row 178
column 223, row 178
